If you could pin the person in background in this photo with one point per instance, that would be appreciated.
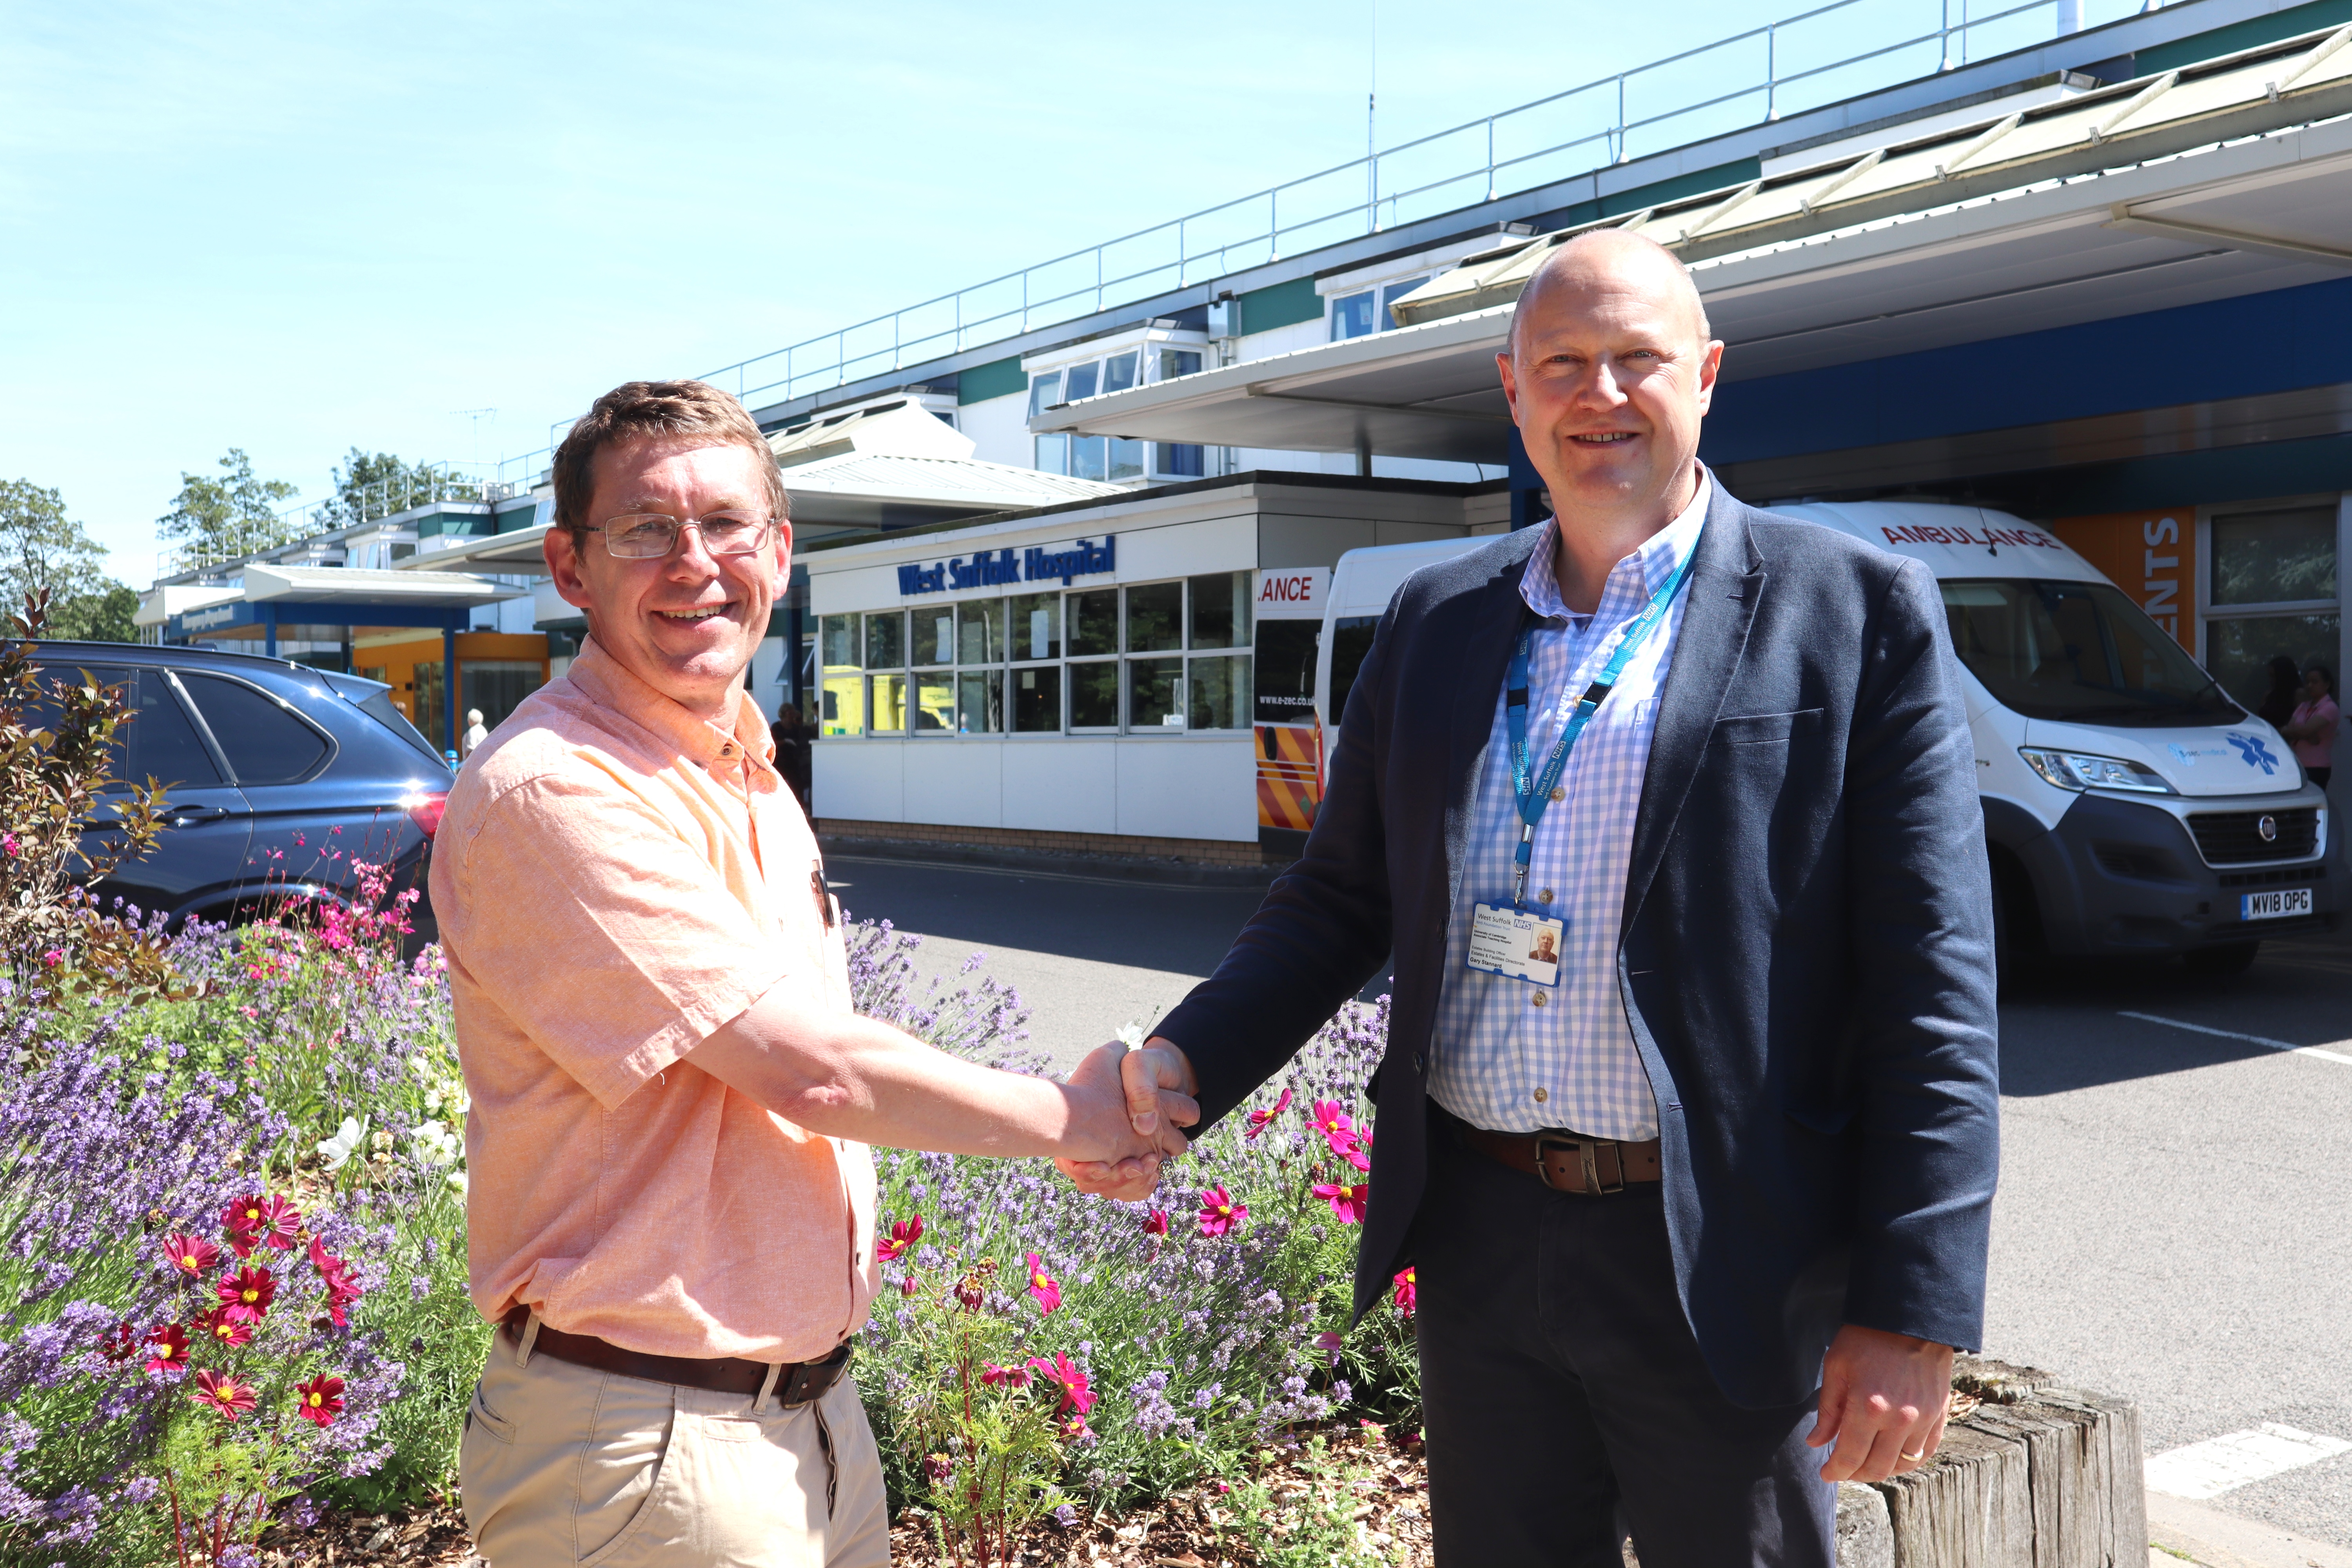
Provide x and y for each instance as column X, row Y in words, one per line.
column 793, row 758
column 2278, row 706
column 2311, row 728
column 475, row 733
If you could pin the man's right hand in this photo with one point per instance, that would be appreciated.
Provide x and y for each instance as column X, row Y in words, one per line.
column 1159, row 1086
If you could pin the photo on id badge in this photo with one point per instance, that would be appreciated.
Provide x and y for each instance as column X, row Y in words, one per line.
column 1515, row 944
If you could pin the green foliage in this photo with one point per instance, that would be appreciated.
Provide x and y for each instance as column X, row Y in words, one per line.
column 378, row 484
column 1310, row 1526
column 220, row 519
column 103, row 615
column 43, row 549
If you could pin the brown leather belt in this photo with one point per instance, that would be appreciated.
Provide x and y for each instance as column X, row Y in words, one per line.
column 797, row 1383
column 1567, row 1163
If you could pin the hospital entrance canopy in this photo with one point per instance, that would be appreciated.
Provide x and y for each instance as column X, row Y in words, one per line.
column 276, row 599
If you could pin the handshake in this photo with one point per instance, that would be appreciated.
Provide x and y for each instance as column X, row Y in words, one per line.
column 1126, row 1106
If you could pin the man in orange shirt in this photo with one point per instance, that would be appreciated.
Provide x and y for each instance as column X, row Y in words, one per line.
column 671, row 1215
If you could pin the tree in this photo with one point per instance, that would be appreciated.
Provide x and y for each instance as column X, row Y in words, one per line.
column 42, row 549
column 225, row 518
column 378, row 484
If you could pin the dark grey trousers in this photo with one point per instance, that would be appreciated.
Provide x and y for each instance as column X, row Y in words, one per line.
column 1563, row 1390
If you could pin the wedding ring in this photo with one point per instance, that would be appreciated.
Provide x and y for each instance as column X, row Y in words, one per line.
column 1915, row 1459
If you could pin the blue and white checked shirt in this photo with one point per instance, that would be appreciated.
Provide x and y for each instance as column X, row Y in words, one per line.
column 1510, row 1055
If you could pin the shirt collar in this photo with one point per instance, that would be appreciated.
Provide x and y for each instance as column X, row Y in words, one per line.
column 611, row 684
column 1659, row 557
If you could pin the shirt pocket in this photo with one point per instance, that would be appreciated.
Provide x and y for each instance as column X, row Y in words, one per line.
column 1763, row 728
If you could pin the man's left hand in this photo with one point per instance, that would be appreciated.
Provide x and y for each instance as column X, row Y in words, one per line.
column 1883, row 1398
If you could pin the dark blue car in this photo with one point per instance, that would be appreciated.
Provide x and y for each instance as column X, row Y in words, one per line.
column 280, row 776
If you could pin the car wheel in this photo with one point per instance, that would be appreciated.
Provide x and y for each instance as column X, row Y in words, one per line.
column 2219, row 962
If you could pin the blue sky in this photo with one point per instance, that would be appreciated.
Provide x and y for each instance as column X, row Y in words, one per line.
column 298, row 229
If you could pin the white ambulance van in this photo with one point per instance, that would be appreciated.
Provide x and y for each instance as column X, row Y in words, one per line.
column 2130, row 806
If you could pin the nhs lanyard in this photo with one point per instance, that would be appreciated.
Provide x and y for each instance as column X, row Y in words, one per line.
column 1535, row 795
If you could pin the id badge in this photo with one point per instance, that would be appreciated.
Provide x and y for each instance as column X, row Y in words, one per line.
column 1514, row 943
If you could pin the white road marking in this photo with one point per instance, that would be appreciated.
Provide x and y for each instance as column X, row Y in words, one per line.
column 2239, row 1458
column 2322, row 1053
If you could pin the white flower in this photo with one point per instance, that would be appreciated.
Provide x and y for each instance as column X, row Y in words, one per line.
column 457, row 1180
column 344, row 1143
column 433, row 1143
column 1131, row 1036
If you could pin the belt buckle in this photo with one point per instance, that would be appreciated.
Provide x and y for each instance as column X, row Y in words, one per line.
column 1589, row 1165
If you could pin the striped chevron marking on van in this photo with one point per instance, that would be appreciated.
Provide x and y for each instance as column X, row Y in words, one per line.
column 1286, row 786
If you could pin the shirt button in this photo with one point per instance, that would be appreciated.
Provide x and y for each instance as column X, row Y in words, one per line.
column 1544, row 897
column 1559, row 792
column 1540, row 998
column 1541, row 1096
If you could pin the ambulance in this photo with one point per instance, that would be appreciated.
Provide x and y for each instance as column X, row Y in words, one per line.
column 2130, row 806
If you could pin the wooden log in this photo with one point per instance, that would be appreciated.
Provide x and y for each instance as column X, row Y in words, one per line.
column 2120, row 1469
column 1970, row 1507
column 2065, row 1480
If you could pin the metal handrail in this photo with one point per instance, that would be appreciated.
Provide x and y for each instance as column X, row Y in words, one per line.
column 839, row 357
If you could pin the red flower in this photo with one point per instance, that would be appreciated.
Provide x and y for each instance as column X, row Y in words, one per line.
column 1360, row 1156
column 321, row 1399
column 167, row 1348
column 906, row 1287
column 1259, row 1121
column 1010, row 1377
column 245, row 1296
column 1348, row 1203
column 1155, row 1221
column 228, row 1397
column 341, row 1291
column 228, row 1330
column 281, row 1223
column 1043, row 1285
column 1332, row 1122
column 1076, row 1393
column 1405, row 1293
column 118, row 1343
column 191, row 1256
column 903, row 1235
column 938, row 1467
column 1075, row 1428
column 332, row 1268
column 242, row 1221
column 1219, row 1213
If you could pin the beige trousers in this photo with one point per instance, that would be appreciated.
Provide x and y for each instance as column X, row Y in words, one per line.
column 563, row 1467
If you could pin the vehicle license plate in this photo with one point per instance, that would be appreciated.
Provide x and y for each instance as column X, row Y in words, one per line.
column 2275, row 905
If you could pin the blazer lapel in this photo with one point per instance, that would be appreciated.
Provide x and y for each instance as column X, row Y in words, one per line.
column 1727, row 581
column 1495, row 611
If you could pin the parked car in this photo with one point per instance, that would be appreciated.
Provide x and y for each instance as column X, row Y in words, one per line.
column 279, row 777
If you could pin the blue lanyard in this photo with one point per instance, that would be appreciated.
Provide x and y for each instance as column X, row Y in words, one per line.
column 1535, row 795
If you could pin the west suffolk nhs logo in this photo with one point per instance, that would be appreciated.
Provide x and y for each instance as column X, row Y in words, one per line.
column 994, row 569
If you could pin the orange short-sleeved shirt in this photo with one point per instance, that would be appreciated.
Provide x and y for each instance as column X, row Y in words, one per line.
column 614, row 879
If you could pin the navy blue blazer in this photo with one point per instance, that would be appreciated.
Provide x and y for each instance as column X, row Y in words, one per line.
column 1806, row 952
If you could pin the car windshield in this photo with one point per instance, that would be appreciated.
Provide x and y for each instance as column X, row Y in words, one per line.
column 2078, row 651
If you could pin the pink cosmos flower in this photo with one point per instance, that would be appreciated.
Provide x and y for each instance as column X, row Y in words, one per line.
column 1405, row 1293
column 54, row 957
column 1076, row 1394
column 1332, row 1122
column 1259, row 1121
column 1155, row 1221
column 281, row 1223
column 321, row 1399
column 903, row 1235
column 1328, row 1343
column 907, row 1285
column 1361, row 1155
column 1043, row 1285
column 227, row 1330
column 1219, row 1213
column 190, row 1255
column 246, row 1295
column 241, row 1222
column 1348, row 1203
column 1010, row 1377
column 228, row 1397
column 167, row 1349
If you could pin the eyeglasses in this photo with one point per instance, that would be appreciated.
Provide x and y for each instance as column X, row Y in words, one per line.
column 650, row 535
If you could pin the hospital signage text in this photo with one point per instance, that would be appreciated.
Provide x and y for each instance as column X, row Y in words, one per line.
column 990, row 569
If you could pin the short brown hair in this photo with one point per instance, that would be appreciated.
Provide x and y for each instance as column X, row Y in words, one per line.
column 640, row 408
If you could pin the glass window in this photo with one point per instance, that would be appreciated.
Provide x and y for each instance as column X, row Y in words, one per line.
column 1174, row 362
column 838, row 641
column 495, row 686
column 841, row 705
column 1352, row 640
column 424, row 686
column 1090, row 456
column 1155, row 693
column 1155, row 617
column 935, row 638
column 1351, row 315
column 1079, row 381
column 1220, row 611
column 1044, row 391
column 1219, row 697
column 1126, row 459
column 886, row 641
column 1094, row 695
column 1037, row 626
column 1094, row 622
column 887, row 700
column 1391, row 293
column 980, row 631
column 2079, row 652
column 163, row 745
column 934, row 711
column 1118, row 371
column 1053, row 454
column 1283, row 675
column 2240, row 651
column 2274, row 557
column 980, row 702
column 1182, row 459
column 264, row 743
column 1037, row 700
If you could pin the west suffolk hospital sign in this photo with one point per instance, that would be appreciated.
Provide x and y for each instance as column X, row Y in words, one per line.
column 994, row 569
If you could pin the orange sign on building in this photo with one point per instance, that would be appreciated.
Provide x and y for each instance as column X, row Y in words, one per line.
column 2151, row 555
